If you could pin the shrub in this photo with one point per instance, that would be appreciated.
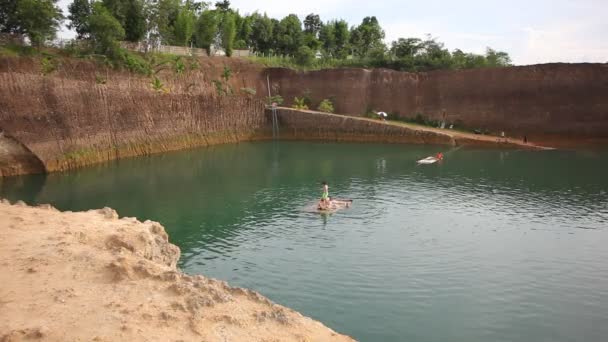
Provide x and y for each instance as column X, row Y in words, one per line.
column 249, row 91
column 48, row 65
column 278, row 99
column 326, row 106
column 135, row 63
column 298, row 103
column 304, row 56
column 157, row 84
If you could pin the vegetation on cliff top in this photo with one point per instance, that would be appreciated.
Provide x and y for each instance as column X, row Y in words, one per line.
column 287, row 42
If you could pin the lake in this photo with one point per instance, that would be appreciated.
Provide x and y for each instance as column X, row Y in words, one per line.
column 489, row 245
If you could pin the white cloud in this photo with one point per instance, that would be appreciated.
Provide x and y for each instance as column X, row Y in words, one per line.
column 573, row 42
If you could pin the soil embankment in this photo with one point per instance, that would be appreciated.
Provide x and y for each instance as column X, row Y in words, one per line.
column 91, row 276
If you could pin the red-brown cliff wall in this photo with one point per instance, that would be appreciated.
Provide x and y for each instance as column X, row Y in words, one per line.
column 539, row 100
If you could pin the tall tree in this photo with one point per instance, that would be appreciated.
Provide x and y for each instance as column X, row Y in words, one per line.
column 244, row 29
column 183, row 27
column 227, row 32
column 497, row 58
column 206, row 30
column 223, row 5
column 261, row 33
column 406, row 47
column 342, row 37
column 39, row 19
column 367, row 37
column 9, row 22
column 105, row 30
column 312, row 24
column 80, row 11
column 327, row 37
column 163, row 19
column 135, row 20
column 290, row 35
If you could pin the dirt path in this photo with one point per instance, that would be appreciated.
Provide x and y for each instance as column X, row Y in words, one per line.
column 90, row 276
column 458, row 137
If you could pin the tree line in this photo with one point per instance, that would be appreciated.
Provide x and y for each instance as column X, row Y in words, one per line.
column 199, row 24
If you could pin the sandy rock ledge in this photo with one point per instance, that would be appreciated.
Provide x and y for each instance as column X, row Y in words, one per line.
column 90, row 276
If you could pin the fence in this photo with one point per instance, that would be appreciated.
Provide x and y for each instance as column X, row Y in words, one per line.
column 180, row 50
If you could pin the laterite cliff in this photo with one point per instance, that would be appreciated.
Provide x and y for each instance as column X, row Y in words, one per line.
column 81, row 112
column 545, row 102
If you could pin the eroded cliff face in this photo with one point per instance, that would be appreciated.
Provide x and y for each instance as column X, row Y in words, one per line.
column 82, row 113
column 72, row 118
column 542, row 101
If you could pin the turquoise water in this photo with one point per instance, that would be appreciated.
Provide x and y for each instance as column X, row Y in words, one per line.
column 491, row 245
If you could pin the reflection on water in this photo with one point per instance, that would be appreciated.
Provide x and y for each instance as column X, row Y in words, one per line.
column 490, row 245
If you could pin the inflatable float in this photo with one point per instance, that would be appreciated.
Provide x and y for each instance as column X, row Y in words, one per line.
column 335, row 205
column 431, row 159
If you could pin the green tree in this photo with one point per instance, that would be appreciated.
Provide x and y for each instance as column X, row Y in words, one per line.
column 206, row 30
column 135, row 20
column 497, row 58
column 304, row 55
column 261, row 33
column 80, row 11
column 9, row 23
column 131, row 16
column 328, row 39
column 342, row 37
column 223, row 5
column 406, row 47
column 312, row 24
column 183, row 27
column 244, row 30
column 39, row 19
column 105, row 30
column 227, row 33
column 367, row 37
column 289, row 37
column 162, row 19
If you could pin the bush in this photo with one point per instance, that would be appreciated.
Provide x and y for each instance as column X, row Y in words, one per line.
column 326, row 106
column 48, row 65
column 299, row 103
column 278, row 99
column 249, row 91
column 136, row 63
column 304, row 56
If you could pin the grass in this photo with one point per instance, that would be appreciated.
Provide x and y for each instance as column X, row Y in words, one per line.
column 316, row 64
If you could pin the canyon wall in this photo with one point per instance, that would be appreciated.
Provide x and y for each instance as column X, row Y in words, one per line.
column 550, row 101
column 69, row 119
column 308, row 125
column 80, row 112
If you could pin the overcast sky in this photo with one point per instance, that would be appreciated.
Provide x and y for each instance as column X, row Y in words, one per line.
column 531, row 31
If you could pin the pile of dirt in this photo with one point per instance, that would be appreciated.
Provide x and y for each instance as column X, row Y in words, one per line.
column 92, row 276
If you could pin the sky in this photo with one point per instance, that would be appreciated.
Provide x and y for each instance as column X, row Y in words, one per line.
column 531, row 31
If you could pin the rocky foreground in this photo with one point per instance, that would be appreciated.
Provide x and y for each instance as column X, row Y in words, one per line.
column 90, row 276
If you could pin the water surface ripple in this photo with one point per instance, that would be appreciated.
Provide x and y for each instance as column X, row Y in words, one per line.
column 491, row 245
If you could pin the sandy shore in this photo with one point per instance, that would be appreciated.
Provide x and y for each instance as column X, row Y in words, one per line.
column 90, row 276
